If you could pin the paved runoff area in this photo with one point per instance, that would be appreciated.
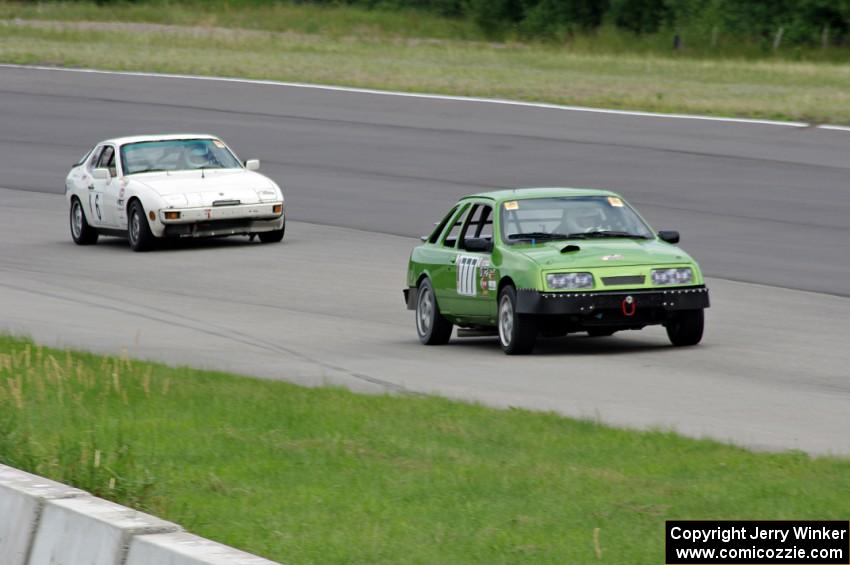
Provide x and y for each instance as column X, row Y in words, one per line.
column 325, row 306
column 763, row 208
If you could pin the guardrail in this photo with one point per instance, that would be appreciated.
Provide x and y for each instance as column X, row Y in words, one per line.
column 43, row 522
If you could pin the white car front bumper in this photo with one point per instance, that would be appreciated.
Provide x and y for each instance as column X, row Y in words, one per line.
column 215, row 221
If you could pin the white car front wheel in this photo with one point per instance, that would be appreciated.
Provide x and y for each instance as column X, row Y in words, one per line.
column 138, row 230
column 273, row 236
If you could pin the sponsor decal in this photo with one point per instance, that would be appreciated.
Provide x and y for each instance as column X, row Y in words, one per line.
column 208, row 213
column 615, row 202
column 615, row 257
column 218, row 143
column 487, row 280
column 512, row 205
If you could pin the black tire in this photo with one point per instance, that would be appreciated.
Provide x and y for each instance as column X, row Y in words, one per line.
column 517, row 332
column 600, row 332
column 138, row 229
column 81, row 232
column 686, row 328
column 272, row 236
column 431, row 327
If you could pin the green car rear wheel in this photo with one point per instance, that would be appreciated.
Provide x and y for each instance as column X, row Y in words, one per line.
column 431, row 326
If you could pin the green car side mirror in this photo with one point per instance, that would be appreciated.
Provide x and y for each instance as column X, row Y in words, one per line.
column 478, row 244
column 669, row 236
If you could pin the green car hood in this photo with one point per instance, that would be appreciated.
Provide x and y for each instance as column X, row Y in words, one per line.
column 603, row 253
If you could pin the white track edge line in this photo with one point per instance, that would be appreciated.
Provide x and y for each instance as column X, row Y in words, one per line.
column 427, row 96
column 833, row 128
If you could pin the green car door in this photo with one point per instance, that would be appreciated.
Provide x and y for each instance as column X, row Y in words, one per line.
column 475, row 275
column 441, row 258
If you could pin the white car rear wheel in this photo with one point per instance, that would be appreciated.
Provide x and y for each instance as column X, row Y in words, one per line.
column 81, row 232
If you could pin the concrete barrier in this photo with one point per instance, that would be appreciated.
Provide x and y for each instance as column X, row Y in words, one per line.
column 22, row 499
column 43, row 522
column 90, row 531
column 186, row 549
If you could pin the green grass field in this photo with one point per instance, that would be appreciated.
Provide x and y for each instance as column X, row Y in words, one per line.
column 327, row 476
column 422, row 53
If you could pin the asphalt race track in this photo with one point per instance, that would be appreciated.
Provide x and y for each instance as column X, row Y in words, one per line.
column 764, row 205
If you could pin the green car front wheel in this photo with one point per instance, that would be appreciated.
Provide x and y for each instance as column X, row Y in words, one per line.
column 686, row 328
column 517, row 333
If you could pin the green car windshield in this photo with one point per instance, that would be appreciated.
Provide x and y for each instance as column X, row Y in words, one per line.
column 176, row 155
column 575, row 217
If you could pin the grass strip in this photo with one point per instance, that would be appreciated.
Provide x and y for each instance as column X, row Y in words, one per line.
column 323, row 475
column 334, row 20
column 351, row 51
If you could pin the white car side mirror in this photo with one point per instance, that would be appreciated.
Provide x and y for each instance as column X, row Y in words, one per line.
column 252, row 164
column 101, row 174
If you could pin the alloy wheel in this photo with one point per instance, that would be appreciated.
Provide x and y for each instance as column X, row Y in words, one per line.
column 425, row 311
column 77, row 220
column 135, row 227
column 506, row 321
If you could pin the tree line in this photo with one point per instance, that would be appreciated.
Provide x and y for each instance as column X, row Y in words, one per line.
column 797, row 22
column 789, row 22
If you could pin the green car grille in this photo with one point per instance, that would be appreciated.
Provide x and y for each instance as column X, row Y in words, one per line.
column 621, row 280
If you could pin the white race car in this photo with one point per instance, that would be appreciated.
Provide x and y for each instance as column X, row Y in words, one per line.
column 159, row 186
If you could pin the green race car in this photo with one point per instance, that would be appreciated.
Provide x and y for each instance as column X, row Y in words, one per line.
column 550, row 261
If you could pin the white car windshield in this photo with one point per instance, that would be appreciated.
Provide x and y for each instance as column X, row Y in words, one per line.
column 176, row 155
column 584, row 217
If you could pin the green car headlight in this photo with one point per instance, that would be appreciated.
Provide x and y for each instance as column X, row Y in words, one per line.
column 569, row 280
column 683, row 275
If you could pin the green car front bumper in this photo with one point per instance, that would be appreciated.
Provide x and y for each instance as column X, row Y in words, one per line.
column 626, row 302
column 621, row 303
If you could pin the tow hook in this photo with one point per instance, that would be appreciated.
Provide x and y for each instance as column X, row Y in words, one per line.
column 628, row 306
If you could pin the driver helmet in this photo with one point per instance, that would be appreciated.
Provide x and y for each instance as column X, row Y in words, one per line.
column 197, row 155
column 589, row 220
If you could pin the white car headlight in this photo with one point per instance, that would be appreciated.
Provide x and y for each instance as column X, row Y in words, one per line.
column 267, row 195
column 683, row 275
column 176, row 200
column 569, row 280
